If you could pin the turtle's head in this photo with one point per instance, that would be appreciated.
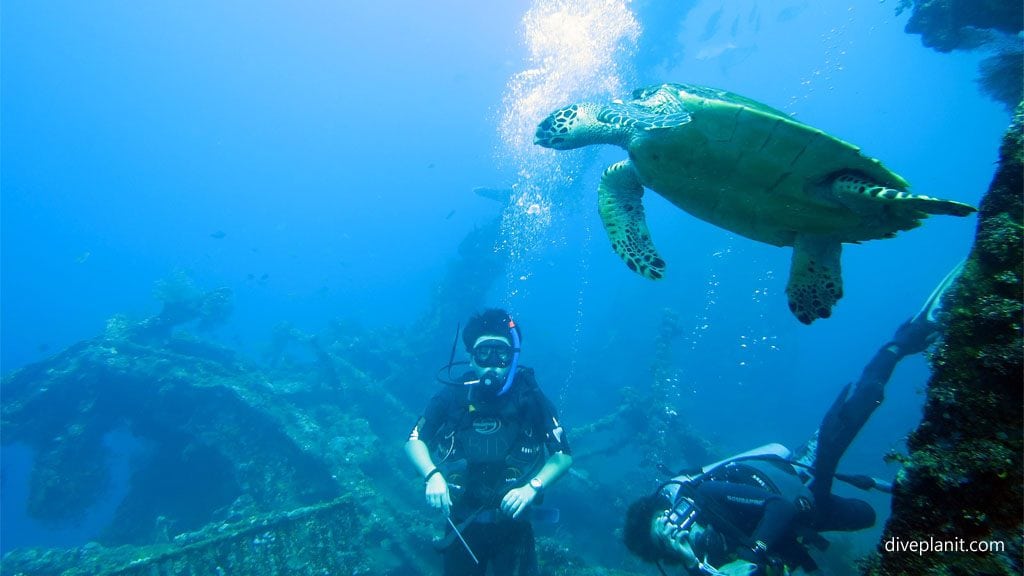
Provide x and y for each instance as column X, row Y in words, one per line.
column 575, row 126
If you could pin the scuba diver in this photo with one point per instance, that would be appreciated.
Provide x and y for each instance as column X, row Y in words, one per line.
column 488, row 445
column 757, row 512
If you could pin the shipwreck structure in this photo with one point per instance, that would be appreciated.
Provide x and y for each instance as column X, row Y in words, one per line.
column 963, row 481
column 291, row 467
column 962, row 485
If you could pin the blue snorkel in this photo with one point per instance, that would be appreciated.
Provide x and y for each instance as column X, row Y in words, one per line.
column 515, row 357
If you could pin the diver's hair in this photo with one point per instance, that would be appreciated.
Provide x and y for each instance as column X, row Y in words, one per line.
column 636, row 534
column 490, row 322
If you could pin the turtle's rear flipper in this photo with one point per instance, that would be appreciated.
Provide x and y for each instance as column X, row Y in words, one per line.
column 815, row 277
column 622, row 213
column 856, row 187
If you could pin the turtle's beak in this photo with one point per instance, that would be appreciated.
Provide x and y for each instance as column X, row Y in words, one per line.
column 543, row 134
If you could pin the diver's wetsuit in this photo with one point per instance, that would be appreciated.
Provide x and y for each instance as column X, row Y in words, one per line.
column 847, row 416
column 738, row 497
column 827, row 511
column 764, row 501
column 486, row 445
column 841, row 424
column 851, row 410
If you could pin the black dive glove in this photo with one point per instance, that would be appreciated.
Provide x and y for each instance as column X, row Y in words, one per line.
column 915, row 336
column 918, row 333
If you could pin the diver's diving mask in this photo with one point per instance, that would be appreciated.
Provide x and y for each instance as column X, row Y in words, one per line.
column 492, row 354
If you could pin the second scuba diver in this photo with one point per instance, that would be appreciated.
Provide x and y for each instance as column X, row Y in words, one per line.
column 757, row 512
column 488, row 445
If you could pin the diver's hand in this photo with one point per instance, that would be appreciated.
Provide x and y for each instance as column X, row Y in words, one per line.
column 677, row 540
column 738, row 568
column 517, row 500
column 437, row 494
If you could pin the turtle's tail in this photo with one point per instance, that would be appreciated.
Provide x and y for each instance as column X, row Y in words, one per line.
column 855, row 186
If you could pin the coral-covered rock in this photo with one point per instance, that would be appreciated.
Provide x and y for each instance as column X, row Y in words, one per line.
column 964, row 477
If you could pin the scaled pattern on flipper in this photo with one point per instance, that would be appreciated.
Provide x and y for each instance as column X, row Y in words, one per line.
column 745, row 167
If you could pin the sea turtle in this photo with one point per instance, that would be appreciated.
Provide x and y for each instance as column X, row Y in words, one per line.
column 745, row 167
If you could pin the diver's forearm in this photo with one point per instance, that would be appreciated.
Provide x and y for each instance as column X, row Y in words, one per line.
column 554, row 468
column 419, row 455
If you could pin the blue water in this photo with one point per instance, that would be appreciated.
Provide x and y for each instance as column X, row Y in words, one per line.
column 319, row 159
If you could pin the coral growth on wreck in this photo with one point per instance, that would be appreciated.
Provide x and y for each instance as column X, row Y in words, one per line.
column 964, row 476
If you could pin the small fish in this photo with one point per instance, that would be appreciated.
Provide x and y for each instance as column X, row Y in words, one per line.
column 83, row 257
column 218, row 234
column 450, row 214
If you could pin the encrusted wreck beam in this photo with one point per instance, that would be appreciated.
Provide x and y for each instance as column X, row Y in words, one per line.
column 947, row 25
column 336, row 537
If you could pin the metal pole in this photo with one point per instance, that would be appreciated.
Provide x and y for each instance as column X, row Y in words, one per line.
column 461, row 539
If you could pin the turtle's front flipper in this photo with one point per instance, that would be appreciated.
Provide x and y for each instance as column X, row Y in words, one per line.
column 619, row 203
column 853, row 186
column 815, row 277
